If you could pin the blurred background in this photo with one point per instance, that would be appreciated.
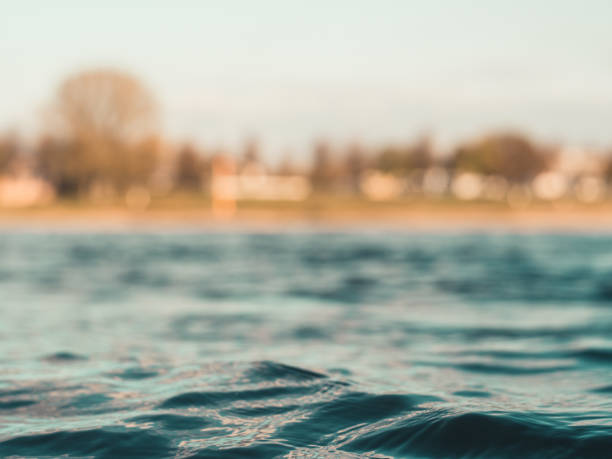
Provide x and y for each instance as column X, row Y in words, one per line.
column 323, row 229
column 306, row 110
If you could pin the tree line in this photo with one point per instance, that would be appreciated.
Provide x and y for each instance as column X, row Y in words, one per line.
column 102, row 133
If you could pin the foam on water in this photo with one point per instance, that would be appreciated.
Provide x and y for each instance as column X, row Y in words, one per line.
column 305, row 345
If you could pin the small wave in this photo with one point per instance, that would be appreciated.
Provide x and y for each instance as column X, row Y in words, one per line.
column 472, row 393
column 134, row 374
column 101, row 443
column 171, row 421
column 440, row 434
column 496, row 368
column 603, row 389
column 590, row 355
column 593, row 354
column 13, row 404
column 214, row 398
column 509, row 369
column 349, row 410
column 258, row 411
column 256, row 451
column 60, row 357
column 266, row 371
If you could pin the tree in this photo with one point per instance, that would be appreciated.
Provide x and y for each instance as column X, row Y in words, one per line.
column 287, row 166
column 58, row 161
column 9, row 151
column 405, row 158
column 106, row 105
column 507, row 154
column 390, row 159
column 355, row 165
column 322, row 174
column 606, row 167
column 250, row 153
column 421, row 155
column 190, row 167
column 104, row 127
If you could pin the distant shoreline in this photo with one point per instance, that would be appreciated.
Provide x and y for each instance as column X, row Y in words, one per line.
column 324, row 214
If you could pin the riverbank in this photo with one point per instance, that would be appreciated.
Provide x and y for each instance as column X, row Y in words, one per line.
column 342, row 213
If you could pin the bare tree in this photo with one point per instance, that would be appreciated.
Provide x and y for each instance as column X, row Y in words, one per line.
column 107, row 122
column 106, row 104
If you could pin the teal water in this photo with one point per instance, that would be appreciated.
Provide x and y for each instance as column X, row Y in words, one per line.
column 305, row 344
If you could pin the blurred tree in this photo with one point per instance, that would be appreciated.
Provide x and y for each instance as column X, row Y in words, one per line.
column 251, row 152
column 421, row 154
column 509, row 155
column 9, row 152
column 286, row 166
column 406, row 158
column 322, row 174
column 104, row 127
column 190, row 168
column 355, row 166
column 606, row 167
column 106, row 105
column 58, row 162
column 390, row 160
column 139, row 163
column 250, row 163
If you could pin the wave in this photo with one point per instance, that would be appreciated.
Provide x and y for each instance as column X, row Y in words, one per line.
column 282, row 410
column 441, row 434
column 99, row 443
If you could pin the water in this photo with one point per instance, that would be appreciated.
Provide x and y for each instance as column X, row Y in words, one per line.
column 305, row 344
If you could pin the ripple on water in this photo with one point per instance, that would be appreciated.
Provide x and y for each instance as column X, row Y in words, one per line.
column 64, row 357
column 283, row 408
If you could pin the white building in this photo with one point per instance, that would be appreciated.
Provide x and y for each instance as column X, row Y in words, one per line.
column 24, row 190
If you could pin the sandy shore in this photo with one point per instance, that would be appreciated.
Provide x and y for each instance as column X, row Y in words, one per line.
column 351, row 216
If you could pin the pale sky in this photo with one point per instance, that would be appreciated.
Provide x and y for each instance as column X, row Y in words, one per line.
column 293, row 71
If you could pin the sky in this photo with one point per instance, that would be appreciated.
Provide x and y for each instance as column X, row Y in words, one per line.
column 289, row 72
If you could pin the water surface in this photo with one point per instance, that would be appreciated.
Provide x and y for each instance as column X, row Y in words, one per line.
column 305, row 344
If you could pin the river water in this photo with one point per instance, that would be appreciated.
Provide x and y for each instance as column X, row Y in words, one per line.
column 305, row 344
